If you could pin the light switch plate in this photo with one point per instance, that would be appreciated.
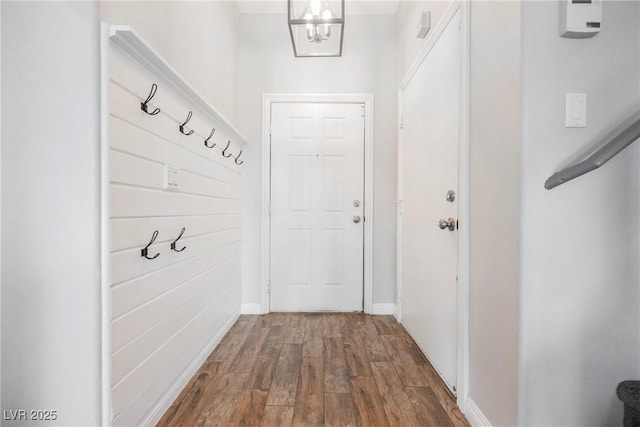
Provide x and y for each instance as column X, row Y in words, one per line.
column 171, row 178
column 575, row 110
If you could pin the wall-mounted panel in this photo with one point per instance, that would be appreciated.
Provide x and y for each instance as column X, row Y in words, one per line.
column 169, row 311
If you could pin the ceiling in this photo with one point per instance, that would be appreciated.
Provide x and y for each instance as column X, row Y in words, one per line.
column 352, row 7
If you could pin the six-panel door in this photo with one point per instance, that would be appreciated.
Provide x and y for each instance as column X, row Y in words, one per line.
column 317, row 191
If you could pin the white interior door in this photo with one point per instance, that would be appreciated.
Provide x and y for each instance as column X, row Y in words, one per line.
column 317, row 206
column 430, row 139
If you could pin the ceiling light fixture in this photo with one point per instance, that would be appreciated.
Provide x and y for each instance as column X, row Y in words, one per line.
column 317, row 31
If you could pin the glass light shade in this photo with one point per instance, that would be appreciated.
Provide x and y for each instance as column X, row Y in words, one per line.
column 316, row 27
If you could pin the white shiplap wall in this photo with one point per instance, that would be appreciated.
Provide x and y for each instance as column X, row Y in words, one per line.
column 167, row 313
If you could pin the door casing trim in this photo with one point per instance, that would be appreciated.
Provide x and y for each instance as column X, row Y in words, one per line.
column 462, row 316
column 265, row 241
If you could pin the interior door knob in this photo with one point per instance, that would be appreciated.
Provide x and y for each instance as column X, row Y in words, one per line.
column 356, row 219
column 447, row 223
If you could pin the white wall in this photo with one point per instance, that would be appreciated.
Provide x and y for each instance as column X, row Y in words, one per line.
column 266, row 65
column 580, row 333
column 198, row 38
column 494, row 208
column 50, row 199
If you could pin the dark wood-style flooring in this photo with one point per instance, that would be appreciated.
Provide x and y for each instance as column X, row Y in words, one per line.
column 342, row 369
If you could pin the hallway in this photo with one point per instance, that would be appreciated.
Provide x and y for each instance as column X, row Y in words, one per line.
column 315, row 369
column 176, row 199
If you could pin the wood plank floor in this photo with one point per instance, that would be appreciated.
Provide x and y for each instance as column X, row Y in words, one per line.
column 338, row 369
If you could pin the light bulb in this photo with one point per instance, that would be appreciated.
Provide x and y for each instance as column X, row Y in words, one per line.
column 307, row 16
column 327, row 28
column 315, row 7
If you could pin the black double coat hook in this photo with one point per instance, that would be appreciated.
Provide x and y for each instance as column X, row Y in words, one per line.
column 206, row 141
column 185, row 123
column 224, row 152
column 143, row 105
column 238, row 157
column 145, row 252
column 173, row 244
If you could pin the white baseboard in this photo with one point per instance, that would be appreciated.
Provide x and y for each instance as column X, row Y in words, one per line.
column 474, row 415
column 251, row 309
column 158, row 411
column 388, row 308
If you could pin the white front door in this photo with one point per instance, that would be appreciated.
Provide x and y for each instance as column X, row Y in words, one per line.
column 429, row 152
column 317, row 206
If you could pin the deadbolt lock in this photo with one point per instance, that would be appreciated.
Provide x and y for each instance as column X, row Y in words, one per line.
column 451, row 196
column 356, row 203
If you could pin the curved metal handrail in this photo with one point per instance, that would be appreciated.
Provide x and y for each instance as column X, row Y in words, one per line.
column 602, row 155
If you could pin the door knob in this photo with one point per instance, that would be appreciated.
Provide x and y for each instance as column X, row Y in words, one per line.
column 447, row 223
column 356, row 219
